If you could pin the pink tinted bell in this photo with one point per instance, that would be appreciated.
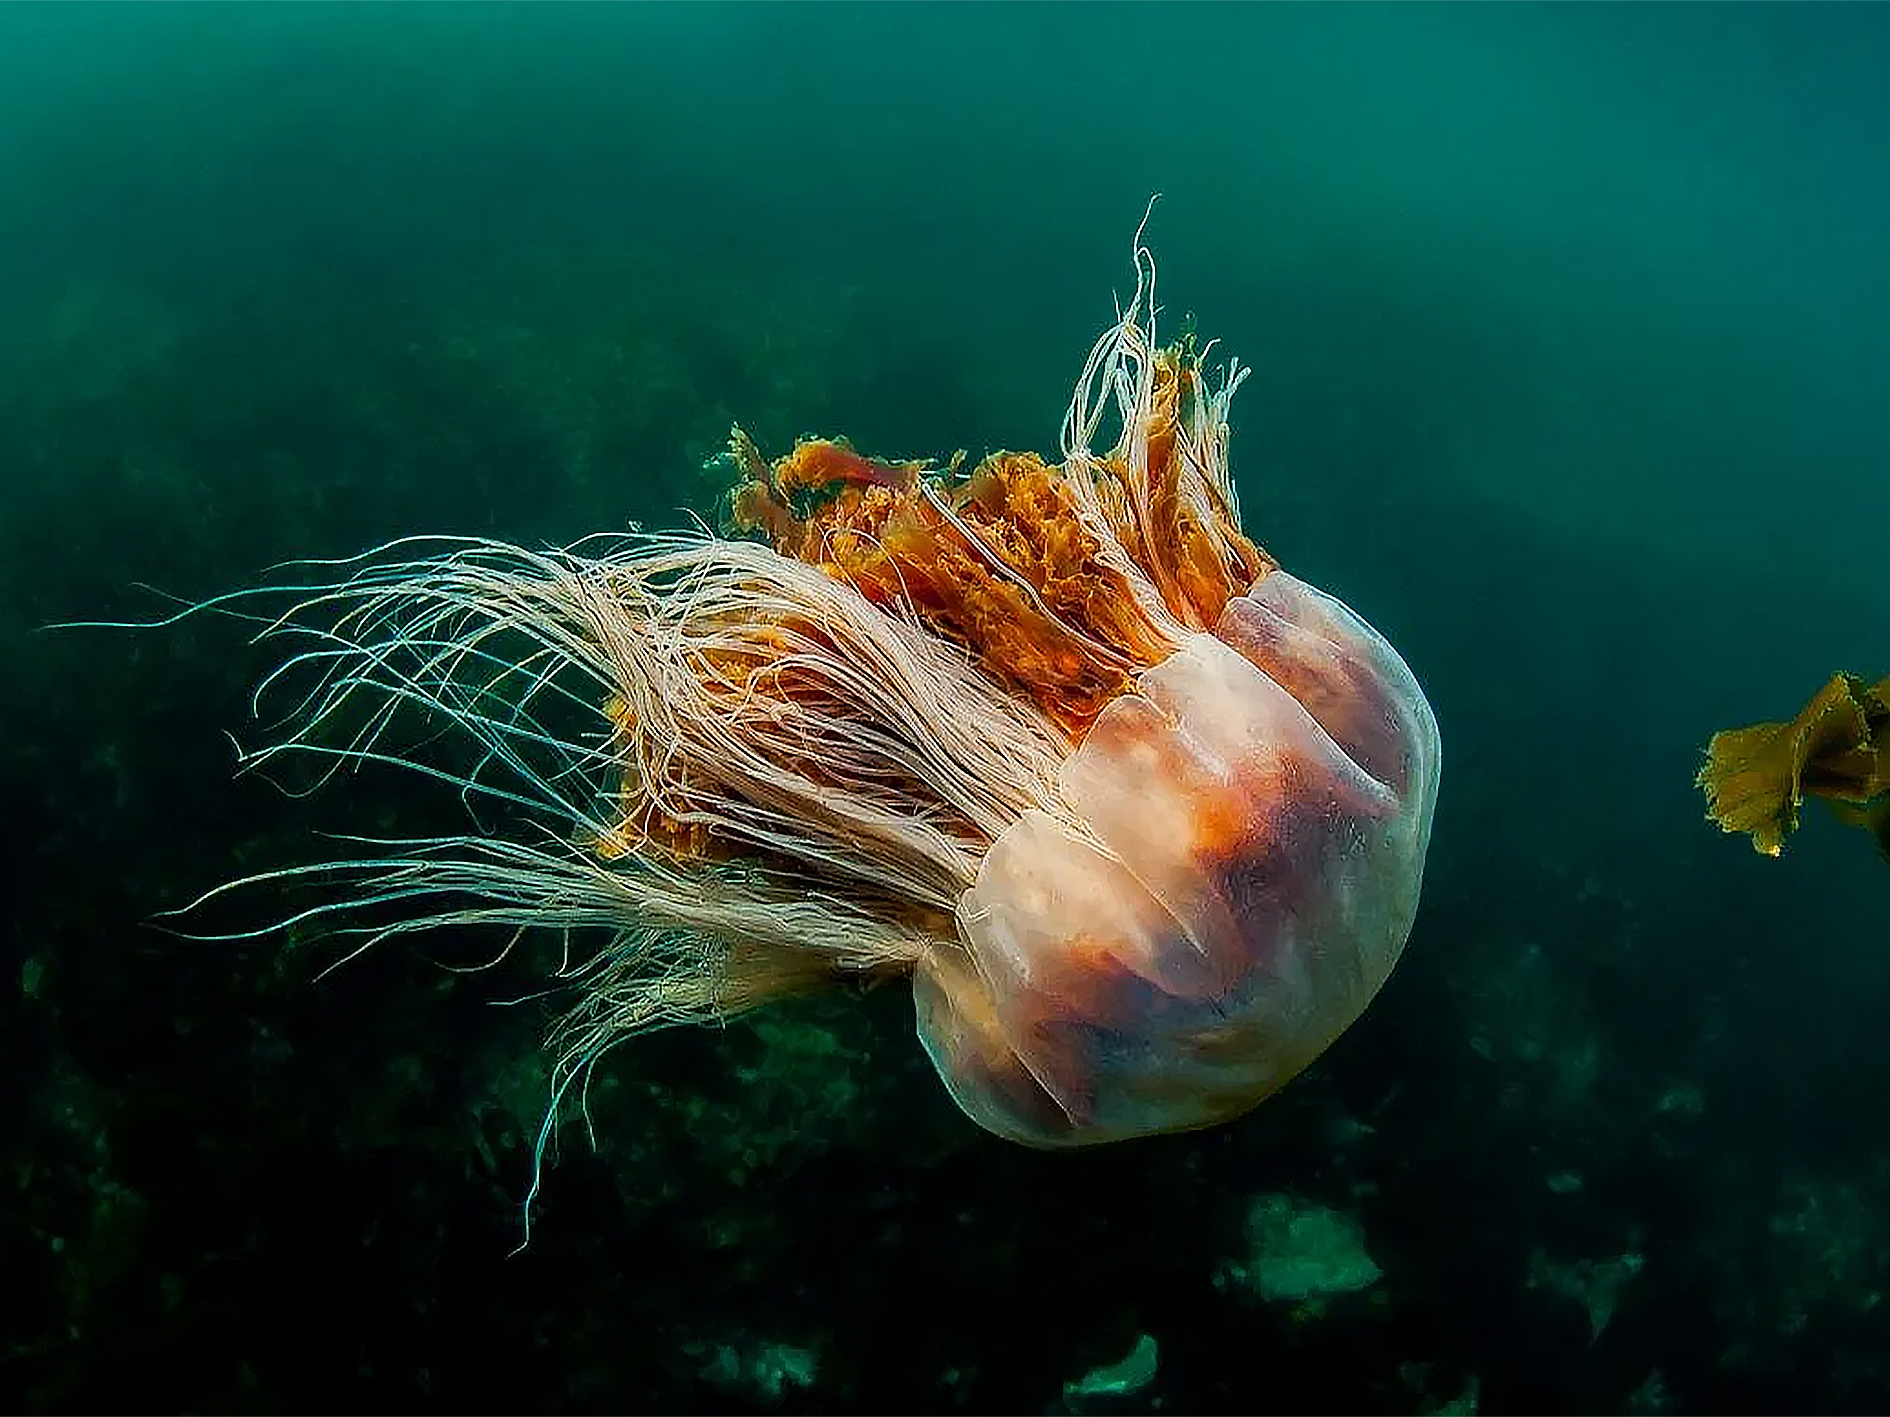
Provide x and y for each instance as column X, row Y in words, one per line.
column 1227, row 880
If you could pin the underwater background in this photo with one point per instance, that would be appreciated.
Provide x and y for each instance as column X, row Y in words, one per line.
column 1571, row 331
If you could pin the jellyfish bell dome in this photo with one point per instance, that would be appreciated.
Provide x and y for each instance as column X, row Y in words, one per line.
column 1140, row 815
column 1231, row 876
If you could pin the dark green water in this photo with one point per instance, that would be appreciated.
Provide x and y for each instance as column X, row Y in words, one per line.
column 1571, row 330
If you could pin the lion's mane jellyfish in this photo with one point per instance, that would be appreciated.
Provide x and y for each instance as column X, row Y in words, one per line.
column 1140, row 815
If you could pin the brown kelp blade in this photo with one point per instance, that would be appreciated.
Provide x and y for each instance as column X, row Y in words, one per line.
column 1837, row 748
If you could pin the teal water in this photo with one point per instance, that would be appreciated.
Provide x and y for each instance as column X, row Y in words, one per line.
column 1571, row 337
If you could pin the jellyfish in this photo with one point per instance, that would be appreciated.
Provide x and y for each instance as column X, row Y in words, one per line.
column 1140, row 815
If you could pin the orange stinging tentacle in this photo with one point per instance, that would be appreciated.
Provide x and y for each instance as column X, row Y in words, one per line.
column 1004, row 565
column 1196, row 551
column 818, row 463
